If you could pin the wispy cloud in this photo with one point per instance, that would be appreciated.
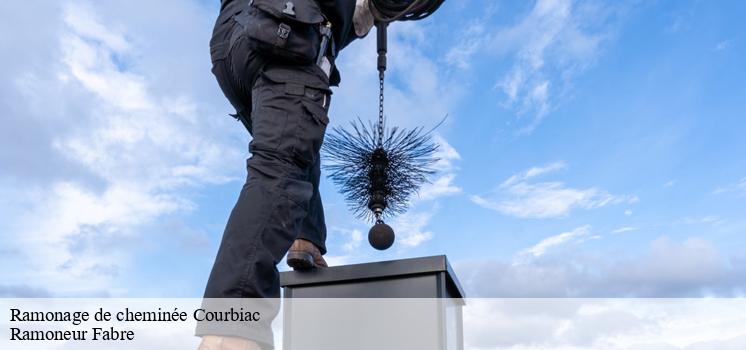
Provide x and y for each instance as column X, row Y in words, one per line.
column 411, row 228
column 576, row 235
column 356, row 238
column 737, row 188
column 666, row 268
column 534, row 172
column 625, row 229
column 518, row 196
column 703, row 220
column 349, row 251
column 443, row 184
column 548, row 47
column 473, row 40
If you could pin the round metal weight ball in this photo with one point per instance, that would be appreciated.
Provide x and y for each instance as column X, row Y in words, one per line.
column 381, row 236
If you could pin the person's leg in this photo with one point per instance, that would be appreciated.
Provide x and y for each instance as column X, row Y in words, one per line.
column 314, row 225
column 307, row 251
column 244, row 266
column 288, row 123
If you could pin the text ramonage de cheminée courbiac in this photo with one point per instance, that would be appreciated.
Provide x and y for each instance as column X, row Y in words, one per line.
column 78, row 317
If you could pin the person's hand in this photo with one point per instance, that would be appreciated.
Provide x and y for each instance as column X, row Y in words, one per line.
column 362, row 19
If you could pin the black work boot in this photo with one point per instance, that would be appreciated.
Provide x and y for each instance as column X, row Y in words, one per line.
column 303, row 255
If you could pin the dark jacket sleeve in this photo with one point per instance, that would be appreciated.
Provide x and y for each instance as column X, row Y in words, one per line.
column 340, row 12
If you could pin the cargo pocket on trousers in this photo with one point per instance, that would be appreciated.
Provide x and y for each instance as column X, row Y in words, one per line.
column 310, row 131
column 269, row 116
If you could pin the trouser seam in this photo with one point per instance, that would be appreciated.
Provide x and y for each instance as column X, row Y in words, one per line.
column 245, row 283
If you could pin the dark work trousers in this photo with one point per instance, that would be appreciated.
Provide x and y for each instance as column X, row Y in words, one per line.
column 286, row 109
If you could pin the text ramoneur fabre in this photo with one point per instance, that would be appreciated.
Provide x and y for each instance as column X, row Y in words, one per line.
column 110, row 333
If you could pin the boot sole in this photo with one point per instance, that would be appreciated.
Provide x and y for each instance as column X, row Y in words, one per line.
column 300, row 260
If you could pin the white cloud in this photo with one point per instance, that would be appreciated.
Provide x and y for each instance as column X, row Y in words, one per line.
column 667, row 268
column 519, row 197
column 534, row 172
column 138, row 143
column 356, row 238
column 446, row 155
column 411, row 228
column 344, row 245
column 704, row 220
column 737, row 188
column 563, row 238
column 548, row 39
column 548, row 47
column 595, row 323
column 338, row 260
column 473, row 38
column 443, row 184
column 84, row 21
column 625, row 229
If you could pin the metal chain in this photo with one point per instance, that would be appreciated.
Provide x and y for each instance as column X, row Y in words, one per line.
column 380, row 110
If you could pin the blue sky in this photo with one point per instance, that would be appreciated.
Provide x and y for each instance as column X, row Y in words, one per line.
column 592, row 148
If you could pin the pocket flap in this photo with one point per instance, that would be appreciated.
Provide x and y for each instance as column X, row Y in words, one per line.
column 303, row 11
column 296, row 75
column 317, row 111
